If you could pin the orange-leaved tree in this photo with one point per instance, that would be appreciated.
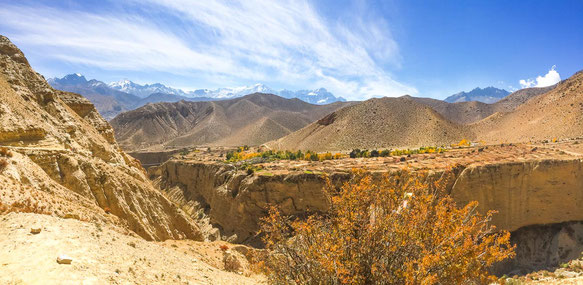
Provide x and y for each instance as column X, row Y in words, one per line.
column 401, row 229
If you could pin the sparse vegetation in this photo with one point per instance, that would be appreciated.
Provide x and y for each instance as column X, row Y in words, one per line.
column 241, row 154
column 26, row 206
column 3, row 164
column 400, row 230
column 5, row 152
column 463, row 143
column 357, row 153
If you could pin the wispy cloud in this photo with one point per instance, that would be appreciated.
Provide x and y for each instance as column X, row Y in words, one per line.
column 552, row 77
column 249, row 41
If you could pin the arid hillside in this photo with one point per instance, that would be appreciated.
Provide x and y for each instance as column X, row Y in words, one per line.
column 473, row 111
column 376, row 123
column 250, row 120
column 403, row 122
column 58, row 156
column 555, row 114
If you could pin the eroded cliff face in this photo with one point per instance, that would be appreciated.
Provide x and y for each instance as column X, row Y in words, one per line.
column 525, row 193
column 64, row 160
column 234, row 200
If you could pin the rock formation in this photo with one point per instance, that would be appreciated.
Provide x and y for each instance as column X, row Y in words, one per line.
column 65, row 161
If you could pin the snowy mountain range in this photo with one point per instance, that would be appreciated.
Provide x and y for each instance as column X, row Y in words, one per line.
column 317, row 96
column 116, row 97
column 146, row 90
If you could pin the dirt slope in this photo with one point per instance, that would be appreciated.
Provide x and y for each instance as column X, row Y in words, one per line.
column 473, row 111
column 252, row 120
column 555, row 114
column 63, row 160
column 102, row 255
column 376, row 123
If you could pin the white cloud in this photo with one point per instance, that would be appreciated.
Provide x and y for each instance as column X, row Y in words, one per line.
column 551, row 78
column 283, row 41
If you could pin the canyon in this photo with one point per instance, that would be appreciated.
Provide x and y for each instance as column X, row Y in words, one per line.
column 529, row 185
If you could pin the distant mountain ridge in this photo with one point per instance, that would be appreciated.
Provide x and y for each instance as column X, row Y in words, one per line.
column 125, row 95
column 487, row 95
column 146, row 90
column 318, row 96
column 108, row 102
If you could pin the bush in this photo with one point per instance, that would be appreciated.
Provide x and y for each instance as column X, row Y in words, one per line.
column 3, row 164
column 250, row 171
column 400, row 230
column 229, row 155
column 374, row 153
column 5, row 152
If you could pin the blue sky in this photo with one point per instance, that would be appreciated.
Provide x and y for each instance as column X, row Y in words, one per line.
column 356, row 49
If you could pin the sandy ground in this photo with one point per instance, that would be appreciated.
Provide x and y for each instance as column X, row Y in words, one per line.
column 103, row 255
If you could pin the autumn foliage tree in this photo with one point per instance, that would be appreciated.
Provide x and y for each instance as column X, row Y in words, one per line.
column 401, row 229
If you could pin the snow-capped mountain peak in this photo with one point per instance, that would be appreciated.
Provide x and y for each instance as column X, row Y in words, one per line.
column 69, row 79
column 144, row 90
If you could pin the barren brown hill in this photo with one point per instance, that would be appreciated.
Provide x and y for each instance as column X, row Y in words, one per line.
column 58, row 156
column 555, row 114
column 250, row 120
column 517, row 98
column 460, row 112
column 473, row 111
column 376, row 123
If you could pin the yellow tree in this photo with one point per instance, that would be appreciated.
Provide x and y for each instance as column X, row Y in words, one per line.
column 402, row 229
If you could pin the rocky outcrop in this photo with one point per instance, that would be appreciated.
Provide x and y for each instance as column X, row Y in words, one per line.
column 65, row 160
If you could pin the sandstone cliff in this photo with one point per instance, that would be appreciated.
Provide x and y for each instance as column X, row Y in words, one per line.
column 64, row 159
column 234, row 200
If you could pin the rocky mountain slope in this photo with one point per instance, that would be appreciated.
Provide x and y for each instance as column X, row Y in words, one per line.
column 487, row 95
column 473, row 111
column 406, row 122
column 555, row 114
column 59, row 157
column 376, row 123
column 249, row 120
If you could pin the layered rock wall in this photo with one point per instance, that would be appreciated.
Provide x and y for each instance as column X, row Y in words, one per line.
column 524, row 193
